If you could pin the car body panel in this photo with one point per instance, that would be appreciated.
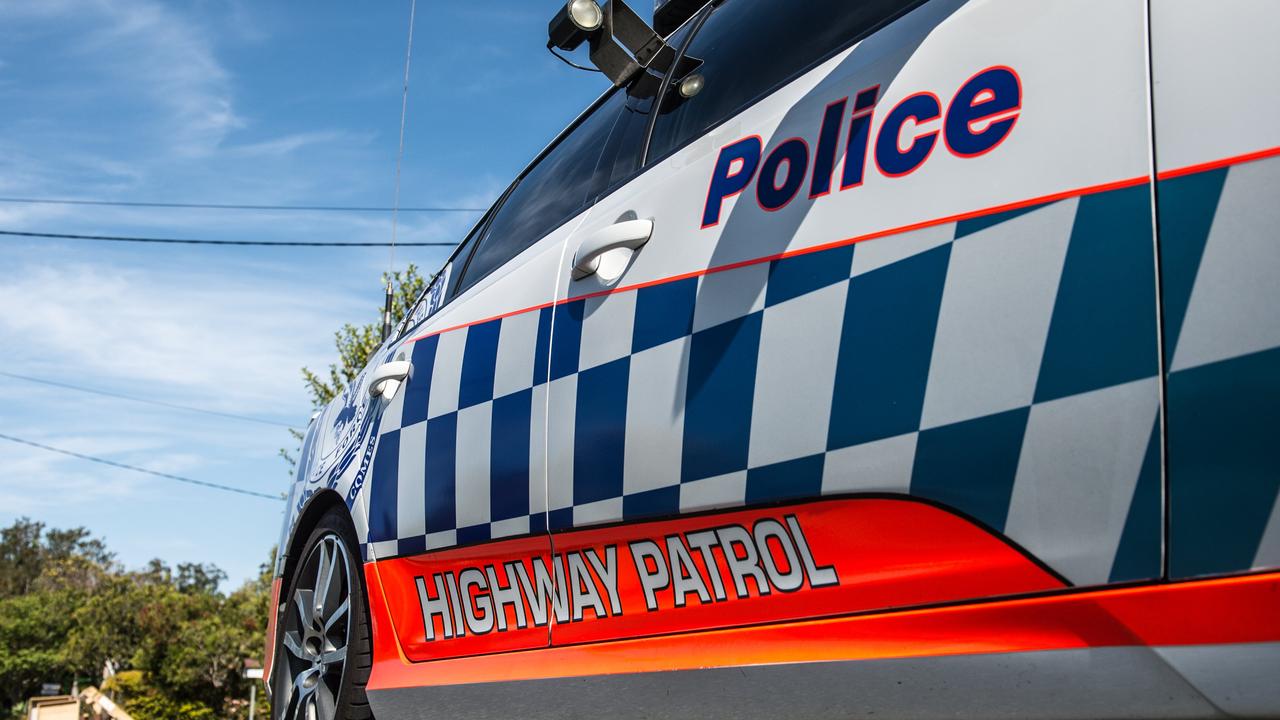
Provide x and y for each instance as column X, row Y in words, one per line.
column 1218, row 174
column 933, row 334
column 944, row 384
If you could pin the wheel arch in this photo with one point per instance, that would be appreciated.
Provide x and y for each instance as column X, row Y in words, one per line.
column 316, row 507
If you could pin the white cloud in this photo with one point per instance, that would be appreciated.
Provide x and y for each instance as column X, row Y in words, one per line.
column 172, row 63
column 286, row 144
column 233, row 342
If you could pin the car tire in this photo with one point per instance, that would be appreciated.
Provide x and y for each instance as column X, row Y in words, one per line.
column 323, row 650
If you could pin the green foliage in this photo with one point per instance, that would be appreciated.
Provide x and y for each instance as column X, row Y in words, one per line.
column 355, row 344
column 66, row 609
column 143, row 702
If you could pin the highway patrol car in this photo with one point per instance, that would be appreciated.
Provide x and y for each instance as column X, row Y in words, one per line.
column 901, row 358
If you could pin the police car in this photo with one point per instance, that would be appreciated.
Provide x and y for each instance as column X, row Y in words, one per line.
column 895, row 357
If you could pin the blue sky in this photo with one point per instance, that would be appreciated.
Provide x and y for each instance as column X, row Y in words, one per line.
column 227, row 101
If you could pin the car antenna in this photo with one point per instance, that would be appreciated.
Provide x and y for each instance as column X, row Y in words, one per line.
column 395, row 205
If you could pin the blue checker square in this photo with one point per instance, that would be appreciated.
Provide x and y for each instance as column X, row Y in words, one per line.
column 384, row 488
column 651, row 503
column 411, row 545
column 797, row 478
column 441, row 480
column 538, row 523
column 1103, row 329
column 1187, row 205
column 566, row 338
column 509, row 456
column 600, row 428
column 970, row 466
column 542, row 347
column 417, row 392
column 561, row 519
column 886, row 346
column 479, row 361
column 1224, row 462
column 473, row 534
column 798, row 275
column 664, row 312
column 718, row 398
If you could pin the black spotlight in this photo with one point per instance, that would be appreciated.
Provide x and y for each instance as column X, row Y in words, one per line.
column 622, row 44
column 575, row 22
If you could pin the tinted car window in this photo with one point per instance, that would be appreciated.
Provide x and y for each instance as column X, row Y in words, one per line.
column 459, row 261
column 750, row 47
column 564, row 181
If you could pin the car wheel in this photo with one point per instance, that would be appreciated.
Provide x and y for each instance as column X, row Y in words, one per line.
column 323, row 646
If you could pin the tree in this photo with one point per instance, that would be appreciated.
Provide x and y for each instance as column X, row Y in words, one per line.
column 26, row 550
column 44, row 576
column 355, row 344
column 179, row 641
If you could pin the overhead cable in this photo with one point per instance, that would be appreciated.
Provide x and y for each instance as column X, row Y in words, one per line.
column 224, row 206
column 148, row 401
column 189, row 241
column 134, row 468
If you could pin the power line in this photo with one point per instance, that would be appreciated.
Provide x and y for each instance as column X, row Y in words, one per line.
column 188, row 241
column 134, row 468
column 147, row 401
column 223, row 206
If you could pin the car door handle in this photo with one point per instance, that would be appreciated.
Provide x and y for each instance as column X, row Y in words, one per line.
column 387, row 377
column 631, row 234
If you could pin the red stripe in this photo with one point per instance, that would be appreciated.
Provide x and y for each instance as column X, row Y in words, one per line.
column 1053, row 197
column 1215, row 164
column 1218, row 611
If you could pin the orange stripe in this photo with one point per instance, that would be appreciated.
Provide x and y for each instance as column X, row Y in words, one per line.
column 1225, row 610
column 1215, row 164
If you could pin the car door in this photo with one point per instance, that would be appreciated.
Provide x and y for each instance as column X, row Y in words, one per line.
column 1218, row 178
column 457, row 511
column 892, row 341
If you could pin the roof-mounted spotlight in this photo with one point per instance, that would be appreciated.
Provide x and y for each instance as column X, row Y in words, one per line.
column 622, row 43
column 575, row 22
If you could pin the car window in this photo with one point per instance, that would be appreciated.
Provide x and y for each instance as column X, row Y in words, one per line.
column 460, row 258
column 750, row 47
column 602, row 147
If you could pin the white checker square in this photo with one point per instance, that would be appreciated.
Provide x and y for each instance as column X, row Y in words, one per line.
column 443, row 539
column 411, row 482
column 601, row 511
column 879, row 466
column 446, row 376
column 795, row 371
column 721, row 491
column 475, row 428
column 517, row 346
column 561, row 420
column 607, row 324
column 729, row 295
column 655, row 417
column 509, row 528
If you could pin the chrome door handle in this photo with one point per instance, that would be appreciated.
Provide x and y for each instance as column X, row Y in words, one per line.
column 387, row 377
column 631, row 234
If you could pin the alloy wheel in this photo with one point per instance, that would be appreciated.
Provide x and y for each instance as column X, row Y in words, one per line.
column 317, row 633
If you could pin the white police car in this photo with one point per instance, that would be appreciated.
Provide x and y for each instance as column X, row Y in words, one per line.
column 907, row 358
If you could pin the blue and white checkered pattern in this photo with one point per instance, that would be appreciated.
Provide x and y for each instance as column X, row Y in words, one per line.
column 1006, row 366
column 1221, row 272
